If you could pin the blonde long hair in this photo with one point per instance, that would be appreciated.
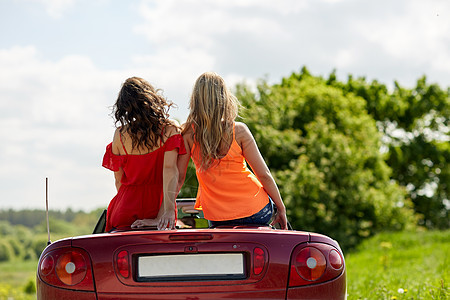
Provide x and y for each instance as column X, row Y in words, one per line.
column 213, row 110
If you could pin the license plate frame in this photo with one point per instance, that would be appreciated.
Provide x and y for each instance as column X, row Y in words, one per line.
column 190, row 267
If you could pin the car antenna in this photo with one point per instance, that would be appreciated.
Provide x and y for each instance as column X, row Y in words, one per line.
column 46, row 211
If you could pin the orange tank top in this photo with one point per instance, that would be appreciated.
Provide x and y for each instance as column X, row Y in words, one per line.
column 228, row 189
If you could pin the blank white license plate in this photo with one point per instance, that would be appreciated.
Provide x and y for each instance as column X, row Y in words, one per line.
column 191, row 266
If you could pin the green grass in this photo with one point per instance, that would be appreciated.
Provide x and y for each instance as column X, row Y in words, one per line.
column 404, row 265
column 17, row 280
column 16, row 273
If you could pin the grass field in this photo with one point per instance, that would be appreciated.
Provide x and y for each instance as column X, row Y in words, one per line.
column 402, row 265
column 17, row 280
column 391, row 266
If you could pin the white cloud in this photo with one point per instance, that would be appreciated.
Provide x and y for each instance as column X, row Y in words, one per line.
column 201, row 24
column 254, row 38
column 415, row 33
column 196, row 23
column 174, row 66
column 56, row 124
column 55, row 8
column 191, row 37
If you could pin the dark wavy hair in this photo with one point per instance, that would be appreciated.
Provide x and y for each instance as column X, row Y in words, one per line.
column 141, row 111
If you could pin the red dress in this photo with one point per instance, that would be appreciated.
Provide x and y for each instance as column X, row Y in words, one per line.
column 141, row 192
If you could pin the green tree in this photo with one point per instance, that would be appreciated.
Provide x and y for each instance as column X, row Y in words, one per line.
column 58, row 227
column 6, row 250
column 38, row 244
column 30, row 254
column 17, row 246
column 415, row 125
column 6, row 228
column 323, row 148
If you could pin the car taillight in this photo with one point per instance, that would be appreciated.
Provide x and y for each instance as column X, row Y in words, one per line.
column 71, row 268
column 46, row 265
column 67, row 268
column 259, row 260
column 314, row 263
column 310, row 263
column 123, row 264
column 335, row 259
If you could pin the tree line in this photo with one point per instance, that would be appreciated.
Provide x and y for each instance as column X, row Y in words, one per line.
column 23, row 233
column 33, row 217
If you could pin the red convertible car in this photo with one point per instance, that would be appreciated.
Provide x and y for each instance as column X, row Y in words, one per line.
column 193, row 262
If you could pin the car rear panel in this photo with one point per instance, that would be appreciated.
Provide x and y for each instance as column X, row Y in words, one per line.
column 45, row 291
column 331, row 290
column 197, row 295
column 229, row 246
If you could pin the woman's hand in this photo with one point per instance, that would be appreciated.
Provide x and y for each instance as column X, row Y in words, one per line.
column 140, row 223
column 281, row 218
column 166, row 221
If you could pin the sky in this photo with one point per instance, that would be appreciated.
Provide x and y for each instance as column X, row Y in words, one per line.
column 62, row 63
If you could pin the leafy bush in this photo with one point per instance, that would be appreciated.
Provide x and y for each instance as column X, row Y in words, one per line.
column 415, row 126
column 30, row 254
column 17, row 247
column 30, row 287
column 6, row 251
column 38, row 245
column 6, row 228
column 324, row 149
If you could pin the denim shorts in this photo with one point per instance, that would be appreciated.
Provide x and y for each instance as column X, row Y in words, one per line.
column 262, row 217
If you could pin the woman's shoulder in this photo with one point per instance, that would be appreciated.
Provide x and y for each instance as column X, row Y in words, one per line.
column 118, row 132
column 117, row 142
column 174, row 123
column 172, row 128
column 187, row 130
column 173, row 138
column 241, row 130
column 240, row 126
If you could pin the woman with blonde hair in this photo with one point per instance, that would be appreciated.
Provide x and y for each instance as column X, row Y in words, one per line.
column 143, row 156
column 228, row 193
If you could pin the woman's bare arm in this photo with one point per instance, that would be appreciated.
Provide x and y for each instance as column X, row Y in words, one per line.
column 116, row 149
column 254, row 158
column 183, row 160
column 118, row 177
column 166, row 215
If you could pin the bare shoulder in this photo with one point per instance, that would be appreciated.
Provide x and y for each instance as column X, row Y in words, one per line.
column 187, row 131
column 116, row 144
column 242, row 132
column 174, row 123
column 240, row 127
column 173, row 128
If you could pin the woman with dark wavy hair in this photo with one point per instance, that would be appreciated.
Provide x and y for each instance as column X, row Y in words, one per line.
column 143, row 156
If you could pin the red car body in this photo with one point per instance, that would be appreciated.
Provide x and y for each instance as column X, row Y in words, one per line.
column 244, row 262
